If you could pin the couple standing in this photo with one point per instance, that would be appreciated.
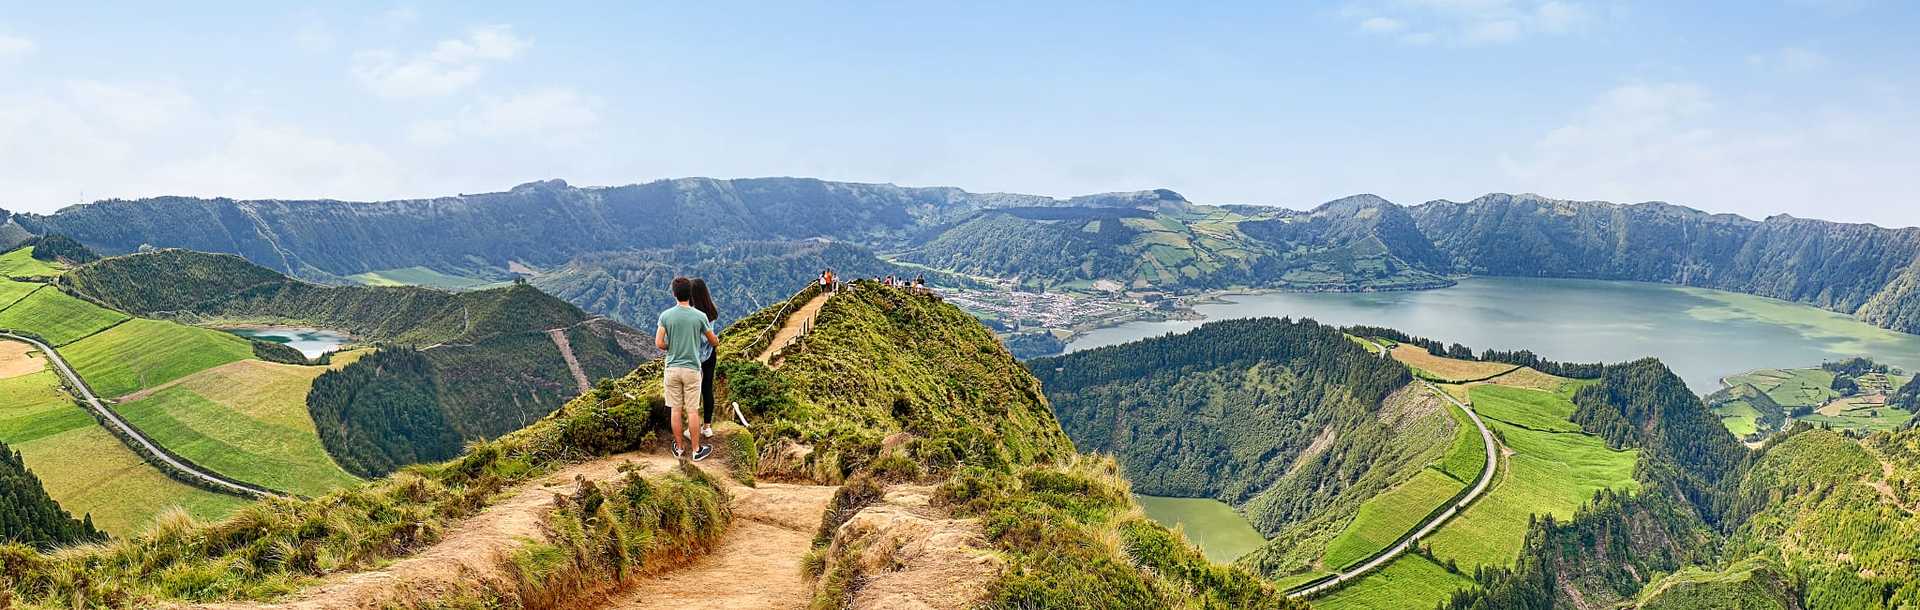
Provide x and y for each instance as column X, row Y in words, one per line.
column 686, row 334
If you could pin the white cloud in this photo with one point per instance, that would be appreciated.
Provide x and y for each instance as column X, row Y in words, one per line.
column 89, row 140
column 1679, row 142
column 449, row 66
column 15, row 47
column 398, row 17
column 1789, row 59
column 1468, row 22
column 549, row 115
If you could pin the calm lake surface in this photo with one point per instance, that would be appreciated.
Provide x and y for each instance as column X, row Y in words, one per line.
column 312, row 342
column 1221, row 533
column 1701, row 334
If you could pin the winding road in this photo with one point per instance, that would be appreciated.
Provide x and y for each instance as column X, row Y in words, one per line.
column 112, row 420
column 1394, row 552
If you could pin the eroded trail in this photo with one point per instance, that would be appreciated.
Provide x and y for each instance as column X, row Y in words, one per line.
column 797, row 324
column 756, row 566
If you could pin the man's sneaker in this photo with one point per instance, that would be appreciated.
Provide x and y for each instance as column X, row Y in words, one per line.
column 706, row 430
column 702, row 452
column 678, row 452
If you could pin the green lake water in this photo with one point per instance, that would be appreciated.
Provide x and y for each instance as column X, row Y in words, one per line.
column 1220, row 532
column 1701, row 334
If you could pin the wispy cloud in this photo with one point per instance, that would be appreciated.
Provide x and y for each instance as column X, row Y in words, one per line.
column 548, row 115
column 15, row 47
column 449, row 66
column 1467, row 22
column 1789, row 59
column 1679, row 142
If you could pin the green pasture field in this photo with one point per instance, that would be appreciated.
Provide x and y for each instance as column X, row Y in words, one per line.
column 21, row 263
column 143, row 353
column 86, row 469
column 1390, row 515
column 58, row 318
column 1411, row 581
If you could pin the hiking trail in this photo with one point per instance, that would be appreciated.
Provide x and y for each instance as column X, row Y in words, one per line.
column 797, row 324
column 755, row 566
column 559, row 336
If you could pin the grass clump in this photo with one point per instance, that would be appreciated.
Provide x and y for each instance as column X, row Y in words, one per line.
column 604, row 535
column 1073, row 538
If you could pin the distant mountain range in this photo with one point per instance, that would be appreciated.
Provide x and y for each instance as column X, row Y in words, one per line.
column 590, row 238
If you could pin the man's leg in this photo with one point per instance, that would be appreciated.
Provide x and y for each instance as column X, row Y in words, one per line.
column 674, row 383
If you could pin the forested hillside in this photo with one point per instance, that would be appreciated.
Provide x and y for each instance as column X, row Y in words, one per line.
column 924, row 406
column 632, row 286
column 29, row 516
column 1290, row 421
column 1850, row 268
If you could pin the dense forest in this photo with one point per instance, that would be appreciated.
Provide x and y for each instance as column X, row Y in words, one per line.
column 383, row 414
column 28, row 516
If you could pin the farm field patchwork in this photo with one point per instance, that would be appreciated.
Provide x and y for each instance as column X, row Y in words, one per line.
column 84, row 467
column 58, row 318
column 143, row 353
column 247, row 420
column 1547, row 473
column 1790, row 387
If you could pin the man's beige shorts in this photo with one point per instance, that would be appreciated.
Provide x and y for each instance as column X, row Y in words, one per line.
column 682, row 389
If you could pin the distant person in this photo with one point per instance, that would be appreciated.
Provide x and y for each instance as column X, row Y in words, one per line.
column 703, row 301
column 681, row 331
column 827, row 280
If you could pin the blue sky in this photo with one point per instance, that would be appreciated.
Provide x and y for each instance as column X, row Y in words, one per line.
column 1761, row 107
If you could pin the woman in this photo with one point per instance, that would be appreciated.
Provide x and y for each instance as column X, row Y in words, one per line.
column 703, row 301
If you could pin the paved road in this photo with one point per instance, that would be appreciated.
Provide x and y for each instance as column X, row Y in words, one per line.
column 1395, row 551
column 113, row 420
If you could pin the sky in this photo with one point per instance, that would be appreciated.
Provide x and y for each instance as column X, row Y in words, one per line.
column 1757, row 107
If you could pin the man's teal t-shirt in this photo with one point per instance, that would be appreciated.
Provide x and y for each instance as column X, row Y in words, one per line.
column 686, row 332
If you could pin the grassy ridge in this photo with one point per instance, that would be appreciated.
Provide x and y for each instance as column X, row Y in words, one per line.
column 142, row 353
column 1467, row 458
column 246, row 420
column 21, row 263
column 85, row 468
column 58, row 318
column 1388, row 516
column 1412, row 581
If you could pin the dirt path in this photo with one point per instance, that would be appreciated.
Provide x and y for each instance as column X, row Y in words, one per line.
column 559, row 336
column 797, row 324
column 757, row 565
column 473, row 551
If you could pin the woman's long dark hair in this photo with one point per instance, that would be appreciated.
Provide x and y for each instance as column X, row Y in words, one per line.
column 703, row 301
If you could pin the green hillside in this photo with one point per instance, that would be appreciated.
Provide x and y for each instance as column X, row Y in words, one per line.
column 976, row 429
column 485, row 362
column 21, row 263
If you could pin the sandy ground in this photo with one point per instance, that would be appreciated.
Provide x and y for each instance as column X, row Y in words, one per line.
column 18, row 359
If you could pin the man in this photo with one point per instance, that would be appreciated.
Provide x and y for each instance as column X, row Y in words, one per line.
column 681, row 330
